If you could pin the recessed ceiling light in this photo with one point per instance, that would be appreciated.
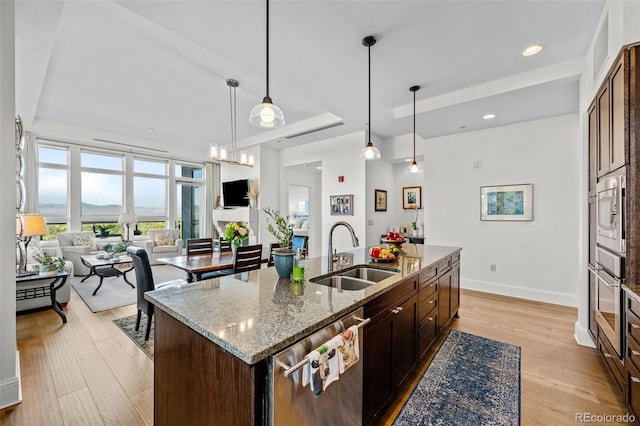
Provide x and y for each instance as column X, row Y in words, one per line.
column 532, row 50
column 488, row 116
column 151, row 130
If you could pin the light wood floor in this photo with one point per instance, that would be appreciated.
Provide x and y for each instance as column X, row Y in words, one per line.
column 88, row 372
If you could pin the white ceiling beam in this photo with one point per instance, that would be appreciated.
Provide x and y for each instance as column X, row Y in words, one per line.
column 567, row 69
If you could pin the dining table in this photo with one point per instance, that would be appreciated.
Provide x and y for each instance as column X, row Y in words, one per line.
column 197, row 265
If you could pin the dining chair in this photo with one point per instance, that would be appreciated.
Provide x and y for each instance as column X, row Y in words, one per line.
column 272, row 247
column 225, row 246
column 199, row 246
column 247, row 258
column 144, row 282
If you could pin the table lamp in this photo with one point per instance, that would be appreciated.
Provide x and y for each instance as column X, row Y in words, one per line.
column 28, row 226
column 127, row 219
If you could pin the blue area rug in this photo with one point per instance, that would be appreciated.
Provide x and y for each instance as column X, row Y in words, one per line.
column 471, row 381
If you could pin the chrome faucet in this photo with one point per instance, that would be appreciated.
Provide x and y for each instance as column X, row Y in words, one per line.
column 354, row 239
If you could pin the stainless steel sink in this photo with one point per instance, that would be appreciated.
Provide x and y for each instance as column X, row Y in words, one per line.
column 344, row 283
column 353, row 279
column 367, row 274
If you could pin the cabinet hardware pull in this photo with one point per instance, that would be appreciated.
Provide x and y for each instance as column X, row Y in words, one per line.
column 399, row 308
column 290, row 370
column 431, row 302
column 608, row 355
column 635, row 379
column 635, row 325
column 430, row 319
column 395, row 311
column 635, row 353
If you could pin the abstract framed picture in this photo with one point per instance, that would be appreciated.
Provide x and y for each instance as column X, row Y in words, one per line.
column 412, row 197
column 341, row 205
column 506, row 202
column 381, row 200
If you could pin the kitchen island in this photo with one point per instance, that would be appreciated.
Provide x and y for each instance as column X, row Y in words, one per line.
column 213, row 337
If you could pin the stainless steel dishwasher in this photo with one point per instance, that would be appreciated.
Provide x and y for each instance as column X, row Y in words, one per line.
column 292, row 404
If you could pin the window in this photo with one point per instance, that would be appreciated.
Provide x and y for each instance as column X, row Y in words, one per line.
column 53, row 188
column 102, row 181
column 150, row 190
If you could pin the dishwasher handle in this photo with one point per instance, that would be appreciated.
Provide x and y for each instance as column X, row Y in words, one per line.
column 290, row 370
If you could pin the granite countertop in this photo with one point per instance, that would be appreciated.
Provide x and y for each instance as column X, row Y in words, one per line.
column 256, row 314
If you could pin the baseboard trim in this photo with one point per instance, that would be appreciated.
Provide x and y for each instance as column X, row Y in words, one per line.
column 11, row 388
column 557, row 298
column 582, row 335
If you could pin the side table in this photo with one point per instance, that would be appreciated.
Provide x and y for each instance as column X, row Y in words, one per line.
column 32, row 286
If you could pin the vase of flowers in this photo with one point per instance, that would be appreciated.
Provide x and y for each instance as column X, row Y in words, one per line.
column 414, row 224
column 283, row 231
column 237, row 233
column 48, row 263
column 254, row 191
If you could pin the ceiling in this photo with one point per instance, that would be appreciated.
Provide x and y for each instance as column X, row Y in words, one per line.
column 128, row 66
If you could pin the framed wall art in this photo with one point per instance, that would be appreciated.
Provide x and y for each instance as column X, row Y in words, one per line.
column 381, row 200
column 506, row 202
column 341, row 205
column 412, row 197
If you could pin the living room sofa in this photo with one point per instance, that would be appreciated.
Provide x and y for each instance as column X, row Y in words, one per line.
column 162, row 243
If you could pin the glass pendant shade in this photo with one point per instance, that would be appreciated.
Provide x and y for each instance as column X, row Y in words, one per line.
column 413, row 168
column 266, row 115
column 370, row 152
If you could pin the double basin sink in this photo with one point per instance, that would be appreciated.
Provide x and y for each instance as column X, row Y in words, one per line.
column 354, row 278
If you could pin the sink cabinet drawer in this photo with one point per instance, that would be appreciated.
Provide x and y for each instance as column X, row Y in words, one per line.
column 428, row 288
column 383, row 303
column 427, row 304
column 428, row 273
column 427, row 332
column 444, row 265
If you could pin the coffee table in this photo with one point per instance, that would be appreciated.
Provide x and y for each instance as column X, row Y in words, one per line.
column 106, row 268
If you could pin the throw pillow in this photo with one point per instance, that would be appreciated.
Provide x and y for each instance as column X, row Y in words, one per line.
column 164, row 238
column 84, row 240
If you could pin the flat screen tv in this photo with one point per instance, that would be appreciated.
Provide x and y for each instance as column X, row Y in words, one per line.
column 234, row 193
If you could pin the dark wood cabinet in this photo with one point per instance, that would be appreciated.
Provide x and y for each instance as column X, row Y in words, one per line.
column 609, row 113
column 389, row 354
column 454, row 291
column 444, row 301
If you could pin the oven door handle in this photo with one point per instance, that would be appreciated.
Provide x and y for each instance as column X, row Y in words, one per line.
column 608, row 280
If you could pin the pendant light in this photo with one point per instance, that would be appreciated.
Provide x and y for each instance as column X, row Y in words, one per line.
column 267, row 114
column 369, row 152
column 414, row 166
column 221, row 154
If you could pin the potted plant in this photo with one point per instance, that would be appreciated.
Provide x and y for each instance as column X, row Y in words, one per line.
column 104, row 230
column 117, row 249
column 48, row 263
column 283, row 231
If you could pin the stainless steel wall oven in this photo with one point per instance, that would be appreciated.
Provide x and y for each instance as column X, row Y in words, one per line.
column 609, row 269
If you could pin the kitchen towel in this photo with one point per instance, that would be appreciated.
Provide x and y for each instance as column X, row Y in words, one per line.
column 313, row 342
column 348, row 348
column 333, row 362
column 324, row 366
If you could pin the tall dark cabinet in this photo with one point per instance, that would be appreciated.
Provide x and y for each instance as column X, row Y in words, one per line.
column 614, row 142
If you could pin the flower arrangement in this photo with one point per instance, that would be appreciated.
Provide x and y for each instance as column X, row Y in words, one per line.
column 236, row 233
column 45, row 259
column 254, row 190
column 283, row 230
column 414, row 224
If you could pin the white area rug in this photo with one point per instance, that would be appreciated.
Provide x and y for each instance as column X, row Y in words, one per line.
column 115, row 292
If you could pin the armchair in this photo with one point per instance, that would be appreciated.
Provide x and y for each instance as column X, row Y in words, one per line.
column 162, row 243
column 73, row 245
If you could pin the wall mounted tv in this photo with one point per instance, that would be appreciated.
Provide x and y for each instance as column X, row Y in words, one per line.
column 234, row 193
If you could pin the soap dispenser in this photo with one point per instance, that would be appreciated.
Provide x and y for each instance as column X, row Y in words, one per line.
column 299, row 266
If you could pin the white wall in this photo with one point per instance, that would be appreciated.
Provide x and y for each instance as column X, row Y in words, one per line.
column 379, row 176
column 402, row 179
column 312, row 179
column 9, row 364
column 340, row 156
column 536, row 260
